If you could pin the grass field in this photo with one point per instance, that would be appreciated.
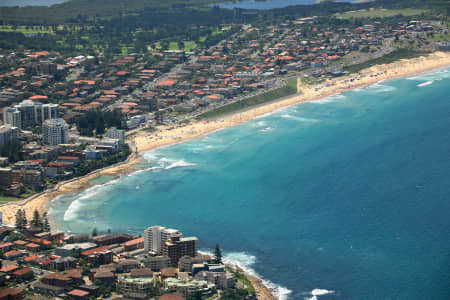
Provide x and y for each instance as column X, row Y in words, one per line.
column 380, row 13
column 7, row 199
column 289, row 89
column 385, row 59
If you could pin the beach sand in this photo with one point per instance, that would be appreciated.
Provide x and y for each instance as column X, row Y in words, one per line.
column 165, row 135
column 40, row 201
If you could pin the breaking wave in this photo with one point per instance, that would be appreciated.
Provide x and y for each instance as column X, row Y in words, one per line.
column 72, row 211
column 425, row 83
column 301, row 119
column 380, row 88
column 164, row 162
column 318, row 292
column 245, row 262
column 329, row 99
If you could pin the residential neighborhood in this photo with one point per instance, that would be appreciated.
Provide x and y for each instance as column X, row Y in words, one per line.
column 161, row 264
column 66, row 116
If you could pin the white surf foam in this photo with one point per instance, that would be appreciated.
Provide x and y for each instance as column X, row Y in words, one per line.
column 245, row 262
column 261, row 123
column 380, row 88
column 318, row 292
column 329, row 99
column 301, row 119
column 72, row 211
column 425, row 83
column 164, row 162
column 179, row 163
column 438, row 75
column 267, row 129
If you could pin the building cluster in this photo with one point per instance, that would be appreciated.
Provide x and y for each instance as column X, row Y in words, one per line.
column 161, row 265
column 53, row 155
column 136, row 85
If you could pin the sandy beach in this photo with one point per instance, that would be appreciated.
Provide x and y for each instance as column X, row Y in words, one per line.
column 39, row 201
column 167, row 135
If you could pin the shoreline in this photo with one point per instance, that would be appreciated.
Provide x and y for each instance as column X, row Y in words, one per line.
column 164, row 136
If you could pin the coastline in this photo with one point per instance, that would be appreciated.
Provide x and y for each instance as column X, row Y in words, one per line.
column 402, row 68
column 41, row 200
column 164, row 137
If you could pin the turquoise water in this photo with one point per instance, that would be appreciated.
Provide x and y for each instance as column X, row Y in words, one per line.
column 347, row 196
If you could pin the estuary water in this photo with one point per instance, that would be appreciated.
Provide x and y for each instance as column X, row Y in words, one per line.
column 347, row 197
column 269, row 4
column 30, row 2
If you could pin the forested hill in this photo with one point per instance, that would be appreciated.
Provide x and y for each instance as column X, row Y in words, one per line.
column 81, row 11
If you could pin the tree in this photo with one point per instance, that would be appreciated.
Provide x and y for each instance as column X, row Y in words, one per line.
column 94, row 232
column 109, row 230
column 218, row 255
column 46, row 224
column 36, row 222
column 21, row 220
column 18, row 219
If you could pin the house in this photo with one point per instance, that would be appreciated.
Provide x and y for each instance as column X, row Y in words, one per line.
column 47, row 289
column 11, row 294
column 76, row 248
column 78, row 294
column 5, row 247
column 134, row 244
column 23, row 274
column 33, row 247
column 13, row 254
column 104, row 276
column 127, row 265
column 172, row 296
column 64, row 263
column 145, row 272
column 114, row 238
column 9, row 269
column 92, row 289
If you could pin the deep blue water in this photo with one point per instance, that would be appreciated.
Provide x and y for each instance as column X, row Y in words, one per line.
column 349, row 194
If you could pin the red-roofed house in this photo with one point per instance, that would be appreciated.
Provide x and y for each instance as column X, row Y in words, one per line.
column 5, row 247
column 13, row 254
column 134, row 244
column 9, row 269
column 38, row 97
column 24, row 273
column 78, row 294
column 166, row 83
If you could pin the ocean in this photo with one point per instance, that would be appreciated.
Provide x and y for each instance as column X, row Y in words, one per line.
column 346, row 197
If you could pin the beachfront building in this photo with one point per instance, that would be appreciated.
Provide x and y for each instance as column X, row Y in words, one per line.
column 156, row 263
column 114, row 133
column 136, row 284
column 156, row 236
column 29, row 113
column 187, row 287
column 11, row 116
column 55, row 132
column 8, row 134
column 178, row 247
